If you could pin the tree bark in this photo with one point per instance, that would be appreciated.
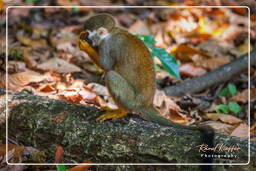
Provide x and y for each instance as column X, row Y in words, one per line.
column 217, row 76
column 45, row 123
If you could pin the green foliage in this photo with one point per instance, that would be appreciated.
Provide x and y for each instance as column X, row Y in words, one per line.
column 30, row 1
column 148, row 40
column 169, row 63
column 228, row 91
column 221, row 109
column 75, row 10
column 234, row 107
column 16, row 55
column 61, row 168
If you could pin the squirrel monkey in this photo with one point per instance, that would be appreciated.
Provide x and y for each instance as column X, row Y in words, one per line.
column 129, row 71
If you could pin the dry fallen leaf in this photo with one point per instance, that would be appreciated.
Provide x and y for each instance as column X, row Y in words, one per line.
column 1, row 6
column 220, row 127
column 18, row 80
column 241, row 131
column 253, row 128
column 185, row 53
column 14, row 152
column 47, row 88
column 68, row 3
column 81, row 167
column 58, row 154
column 61, row 36
column 213, row 28
column 70, row 96
column 243, row 96
column 34, row 43
column 253, row 17
column 140, row 27
column 104, row 99
column 168, row 108
column 58, row 65
column 224, row 118
column 212, row 63
column 190, row 70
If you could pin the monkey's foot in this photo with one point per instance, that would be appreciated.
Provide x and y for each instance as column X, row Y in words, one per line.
column 112, row 114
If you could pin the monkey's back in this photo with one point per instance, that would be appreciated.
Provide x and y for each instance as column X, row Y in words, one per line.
column 135, row 64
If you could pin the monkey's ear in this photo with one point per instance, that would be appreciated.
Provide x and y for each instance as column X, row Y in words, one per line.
column 100, row 20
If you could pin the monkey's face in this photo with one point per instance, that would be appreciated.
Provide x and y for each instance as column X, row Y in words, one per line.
column 94, row 37
column 85, row 44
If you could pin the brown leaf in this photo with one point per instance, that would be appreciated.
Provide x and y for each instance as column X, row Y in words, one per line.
column 71, row 96
column 253, row 128
column 16, row 151
column 212, row 63
column 1, row 6
column 88, row 95
column 68, row 3
column 241, row 11
column 81, row 167
column 77, row 95
column 168, row 108
column 185, row 53
column 220, row 127
column 59, row 37
column 140, row 27
column 47, row 88
column 190, row 70
column 224, row 118
column 243, row 96
column 58, row 154
column 253, row 17
column 241, row 131
column 58, row 65
column 16, row 66
column 18, row 80
column 34, row 43
column 104, row 99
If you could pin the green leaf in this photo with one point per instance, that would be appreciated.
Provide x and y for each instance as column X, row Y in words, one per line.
column 75, row 10
column 148, row 40
column 221, row 109
column 61, row 168
column 224, row 92
column 31, row 1
column 234, row 107
column 168, row 61
column 157, row 67
column 16, row 55
column 232, row 89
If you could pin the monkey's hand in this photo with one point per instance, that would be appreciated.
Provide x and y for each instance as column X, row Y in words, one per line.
column 84, row 45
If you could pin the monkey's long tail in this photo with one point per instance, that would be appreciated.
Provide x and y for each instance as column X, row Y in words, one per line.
column 152, row 115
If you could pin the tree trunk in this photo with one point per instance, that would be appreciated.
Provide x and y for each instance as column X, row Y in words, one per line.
column 45, row 123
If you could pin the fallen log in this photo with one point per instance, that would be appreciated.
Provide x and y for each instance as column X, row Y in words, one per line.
column 214, row 77
column 45, row 123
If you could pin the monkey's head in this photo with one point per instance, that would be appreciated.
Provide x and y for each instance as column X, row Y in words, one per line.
column 97, row 28
column 103, row 20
